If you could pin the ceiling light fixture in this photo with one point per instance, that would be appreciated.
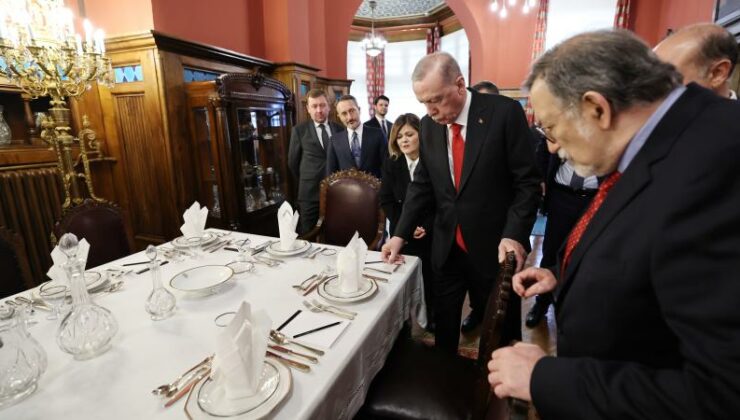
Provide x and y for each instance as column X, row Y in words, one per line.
column 374, row 44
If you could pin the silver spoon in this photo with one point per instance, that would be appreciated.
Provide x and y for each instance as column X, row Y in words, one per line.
column 281, row 338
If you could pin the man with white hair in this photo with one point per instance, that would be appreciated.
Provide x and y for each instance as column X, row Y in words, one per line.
column 647, row 281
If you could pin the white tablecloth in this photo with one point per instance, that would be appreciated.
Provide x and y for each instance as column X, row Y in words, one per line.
column 146, row 353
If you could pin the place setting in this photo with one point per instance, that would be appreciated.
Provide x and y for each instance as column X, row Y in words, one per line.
column 350, row 285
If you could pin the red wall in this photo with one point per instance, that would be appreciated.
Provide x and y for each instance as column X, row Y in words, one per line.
column 653, row 18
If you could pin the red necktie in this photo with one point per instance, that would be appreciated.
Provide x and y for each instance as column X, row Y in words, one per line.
column 577, row 232
column 458, row 151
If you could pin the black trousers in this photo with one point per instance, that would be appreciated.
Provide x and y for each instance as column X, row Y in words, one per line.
column 564, row 208
column 309, row 214
column 452, row 280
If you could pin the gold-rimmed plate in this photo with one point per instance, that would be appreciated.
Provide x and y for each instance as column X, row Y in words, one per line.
column 299, row 246
column 211, row 401
column 182, row 242
column 331, row 291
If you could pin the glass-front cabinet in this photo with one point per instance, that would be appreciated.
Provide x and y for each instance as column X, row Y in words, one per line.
column 240, row 128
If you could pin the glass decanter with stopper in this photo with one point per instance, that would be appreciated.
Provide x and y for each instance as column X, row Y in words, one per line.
column 5, row 134
column 161, row 303
column 22, row 359
column 88, row 329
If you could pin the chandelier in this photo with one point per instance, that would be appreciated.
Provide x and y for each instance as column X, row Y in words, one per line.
column 503, row 11
column 373, row 44
column 41, row 53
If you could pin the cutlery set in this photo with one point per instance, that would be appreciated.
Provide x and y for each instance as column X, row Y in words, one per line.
column 316, row 306
column 176, row 389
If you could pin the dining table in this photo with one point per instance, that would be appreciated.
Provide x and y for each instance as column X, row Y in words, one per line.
column 146, row 353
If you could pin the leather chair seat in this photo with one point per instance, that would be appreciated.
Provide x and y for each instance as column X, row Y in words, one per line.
column 408, row 388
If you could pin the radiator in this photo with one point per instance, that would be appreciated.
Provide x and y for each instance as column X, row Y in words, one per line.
column 30, row 204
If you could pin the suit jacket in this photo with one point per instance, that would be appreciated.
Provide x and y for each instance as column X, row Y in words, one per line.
column 647, row 310
column 396, row 180
column 373, row 152
column 373, row 122
column 307, row 159
column 499, row 187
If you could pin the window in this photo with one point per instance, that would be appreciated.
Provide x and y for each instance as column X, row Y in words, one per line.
column 356, row 70
column 400, row 59
column 566, row 18
column 457, row 44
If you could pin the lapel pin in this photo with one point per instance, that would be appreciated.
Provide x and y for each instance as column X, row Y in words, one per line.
column 480, row 120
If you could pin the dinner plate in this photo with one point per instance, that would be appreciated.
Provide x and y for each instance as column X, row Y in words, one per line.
column 201, row 281
column 182, row 242
column 94, row 281
column 274, row 386
column 331, row 291
column 299, row 246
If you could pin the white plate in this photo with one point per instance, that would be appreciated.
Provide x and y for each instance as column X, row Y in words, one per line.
column 299, row 246
column 209, row 401
column 201, row 281
column 182, row 242
column 330, row 290
column 94, row 281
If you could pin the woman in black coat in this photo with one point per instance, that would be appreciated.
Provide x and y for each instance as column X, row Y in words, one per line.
column 403, row 146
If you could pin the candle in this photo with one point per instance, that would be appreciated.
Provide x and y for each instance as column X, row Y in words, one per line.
column 78, row 41
column 99, row 41
column 88, row 32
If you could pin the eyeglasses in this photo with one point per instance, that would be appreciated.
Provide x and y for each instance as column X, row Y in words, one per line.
column 543, row 132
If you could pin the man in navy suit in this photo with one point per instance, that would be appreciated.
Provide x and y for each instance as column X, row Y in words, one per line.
column 647, row 281
column 379, row 121
column 359, row 147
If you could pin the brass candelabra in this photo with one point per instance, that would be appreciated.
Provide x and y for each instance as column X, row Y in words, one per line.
column 42, row 54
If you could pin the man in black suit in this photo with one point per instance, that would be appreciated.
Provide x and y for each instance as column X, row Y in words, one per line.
column 477, row 168
column 307, row 155
column 359, row 146
column 647, row 282
column 379, row 121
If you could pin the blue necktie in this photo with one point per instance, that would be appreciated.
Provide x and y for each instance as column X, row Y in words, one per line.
column 356, row 149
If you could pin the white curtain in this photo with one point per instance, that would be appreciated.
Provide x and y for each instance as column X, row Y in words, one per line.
column 457, row 44
column 356, row 70
column 566, row 18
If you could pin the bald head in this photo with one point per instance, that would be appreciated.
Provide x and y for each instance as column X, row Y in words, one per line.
column 704, row 53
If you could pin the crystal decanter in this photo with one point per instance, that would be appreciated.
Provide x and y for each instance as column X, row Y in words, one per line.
column 22, row 359
column 161, row 303
column 88, row 329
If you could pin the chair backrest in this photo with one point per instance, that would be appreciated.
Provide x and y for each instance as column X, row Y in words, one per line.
column 102, row 225
column 349, row 202
column 16, row 272
column 492, row 333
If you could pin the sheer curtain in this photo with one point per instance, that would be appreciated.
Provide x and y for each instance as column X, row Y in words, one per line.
column 457, row 44
column 357, row 71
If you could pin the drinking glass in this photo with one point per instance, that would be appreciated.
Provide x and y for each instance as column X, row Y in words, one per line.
column 194, row 246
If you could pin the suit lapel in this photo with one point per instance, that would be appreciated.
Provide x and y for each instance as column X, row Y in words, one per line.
column 439, row 155
column 474, row 137
column 314, row 136
column 635, row 178
column 342, row 146
column 365, row 148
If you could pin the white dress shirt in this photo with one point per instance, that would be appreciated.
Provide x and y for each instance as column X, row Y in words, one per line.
column 318, row 131
column 462, row 119
column 411, row 164
column 733, row 94
column 565, row 174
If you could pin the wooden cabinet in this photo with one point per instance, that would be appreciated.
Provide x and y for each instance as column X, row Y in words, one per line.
column 240, row 129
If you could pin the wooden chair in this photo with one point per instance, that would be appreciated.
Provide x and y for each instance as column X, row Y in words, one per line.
column 16, row 272
column 349, row 201
column 102, row 224
column 420, row 382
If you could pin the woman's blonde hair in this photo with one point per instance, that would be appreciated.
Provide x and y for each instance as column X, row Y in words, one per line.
column 405, row 119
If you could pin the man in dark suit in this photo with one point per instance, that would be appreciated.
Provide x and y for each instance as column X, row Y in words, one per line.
column 647, row 282
column 358, row 147
column 477, row 168
column 379, row 121
column 307, row 155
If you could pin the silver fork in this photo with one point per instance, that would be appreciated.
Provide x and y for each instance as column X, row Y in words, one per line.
column 314, row 308
column 330, row 308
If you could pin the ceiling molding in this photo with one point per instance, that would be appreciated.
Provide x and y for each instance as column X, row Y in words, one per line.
column 437, row 14
column 399, row 8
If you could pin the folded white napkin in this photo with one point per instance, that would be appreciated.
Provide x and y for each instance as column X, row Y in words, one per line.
column 287, row 221
column 240, row 353
column 195, row 221
column 349, row 264
column 56, row 272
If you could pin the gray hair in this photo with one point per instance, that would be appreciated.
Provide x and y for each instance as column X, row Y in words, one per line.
column 717, row 43
column 439, row 61
column 614, row 63
column 348, row 98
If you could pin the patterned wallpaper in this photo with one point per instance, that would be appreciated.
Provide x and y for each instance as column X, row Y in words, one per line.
column 397, row 8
